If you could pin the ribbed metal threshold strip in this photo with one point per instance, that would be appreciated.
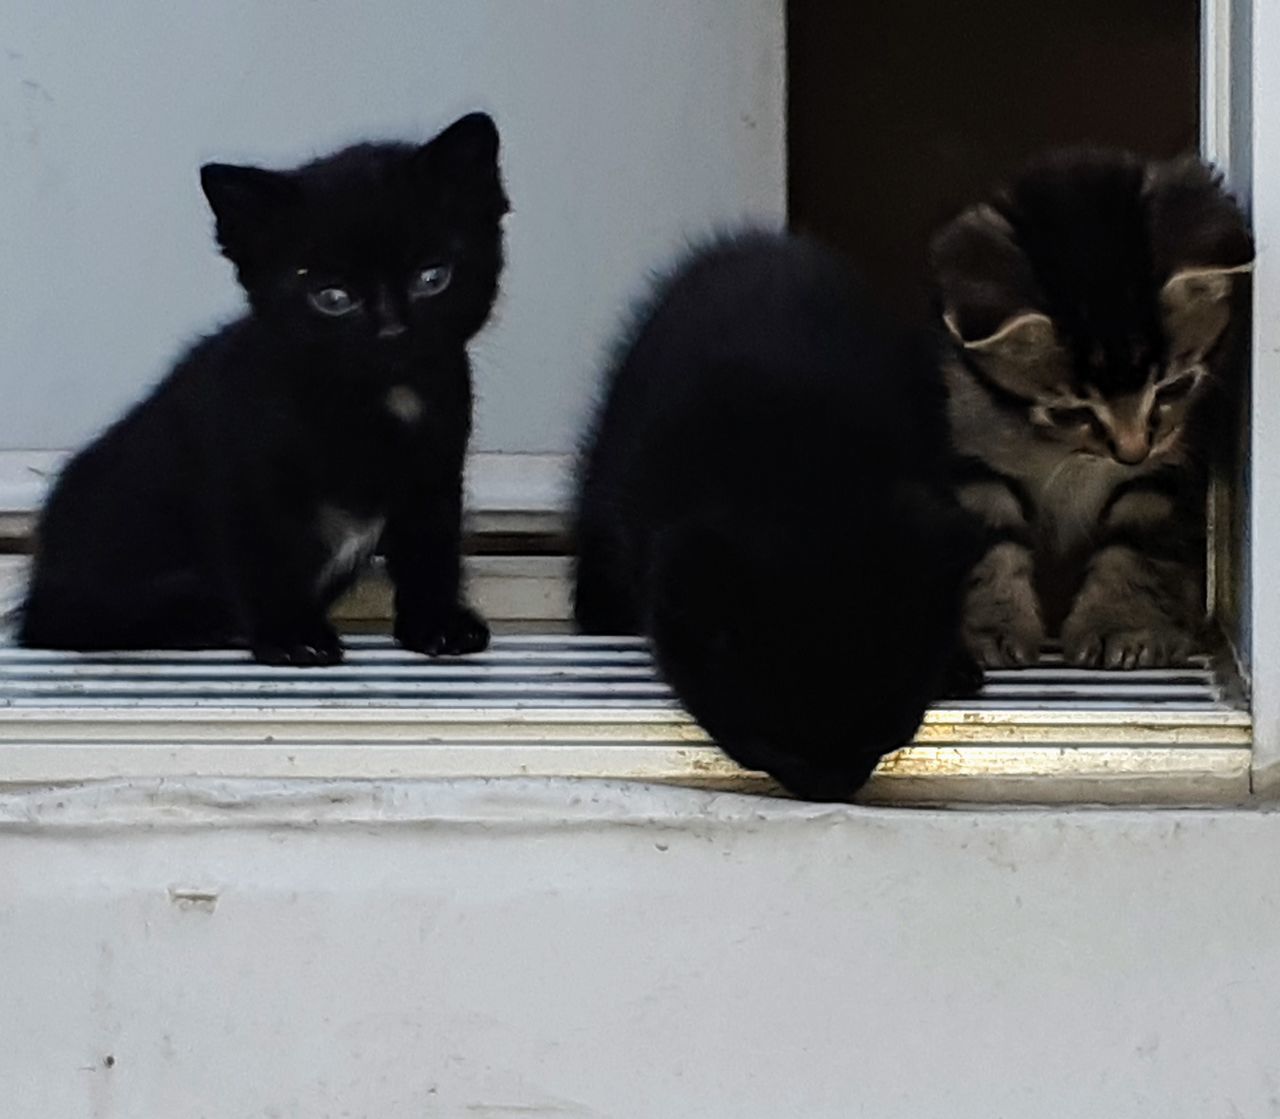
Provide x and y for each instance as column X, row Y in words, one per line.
column 588, row 707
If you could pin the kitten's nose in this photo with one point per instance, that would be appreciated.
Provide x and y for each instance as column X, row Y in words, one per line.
column 390, row 323
column 1130, row 447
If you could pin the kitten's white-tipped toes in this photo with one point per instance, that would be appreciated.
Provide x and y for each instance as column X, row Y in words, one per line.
column 1002, row 650
column 1086, row 654
column 1125, row 650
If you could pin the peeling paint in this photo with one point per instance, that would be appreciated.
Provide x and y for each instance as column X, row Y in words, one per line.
column 203, row 900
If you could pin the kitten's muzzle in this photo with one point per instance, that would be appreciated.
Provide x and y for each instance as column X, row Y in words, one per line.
column 389, row 318
column 1130, row 447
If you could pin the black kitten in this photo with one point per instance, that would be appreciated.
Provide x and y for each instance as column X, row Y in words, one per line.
column 765, row 497
column 236, row 502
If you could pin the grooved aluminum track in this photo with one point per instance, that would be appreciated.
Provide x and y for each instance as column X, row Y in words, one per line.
column 589, row 707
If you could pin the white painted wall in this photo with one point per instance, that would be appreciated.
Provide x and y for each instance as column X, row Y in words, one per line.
column 626, row 127
column 542, row 948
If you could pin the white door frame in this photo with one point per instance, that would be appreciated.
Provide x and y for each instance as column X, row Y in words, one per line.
column 1242, row 129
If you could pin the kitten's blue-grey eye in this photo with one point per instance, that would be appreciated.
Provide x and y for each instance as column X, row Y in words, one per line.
column 333, row 301
column 432, row 280
column 1178, row 389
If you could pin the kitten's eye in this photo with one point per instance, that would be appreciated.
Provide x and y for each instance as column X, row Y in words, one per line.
column 333, row 301
column 432, row 280
column 1178, row 389
column 1072, row 417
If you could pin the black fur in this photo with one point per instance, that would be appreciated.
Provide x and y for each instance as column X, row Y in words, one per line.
column 764, row 495
column 220, row 510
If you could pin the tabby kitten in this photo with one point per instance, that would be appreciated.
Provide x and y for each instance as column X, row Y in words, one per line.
column 759, row 396
column 235, row 502
column 1089, row 308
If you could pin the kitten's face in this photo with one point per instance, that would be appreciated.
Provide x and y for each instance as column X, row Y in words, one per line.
column 1086, row 414
column 381, row 246
column 1095, row 294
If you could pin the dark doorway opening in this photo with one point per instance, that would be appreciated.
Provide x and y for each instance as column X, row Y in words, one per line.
column 902, row 112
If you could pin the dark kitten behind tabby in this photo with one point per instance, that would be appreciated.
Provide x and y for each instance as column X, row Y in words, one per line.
column 764, row 496
column 235, row 502
column 1090, row 306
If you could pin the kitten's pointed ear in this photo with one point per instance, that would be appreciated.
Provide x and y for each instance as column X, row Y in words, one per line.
column 1196, row 307
column 465, row 155
column 989, row 299
column 1023, row 355
column 981, row 273
column 1199, row 240
column 244, row 199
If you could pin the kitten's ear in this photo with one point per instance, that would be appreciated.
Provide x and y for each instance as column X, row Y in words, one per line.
column 1199, row 239
column 245, row 199
column 465, row 155
column 1023, row 355
column 1195, row 305
column 989, row 299
column 981, row 272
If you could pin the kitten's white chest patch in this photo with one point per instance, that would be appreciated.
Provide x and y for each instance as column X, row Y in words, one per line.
column 350, row 541
column 404, row 404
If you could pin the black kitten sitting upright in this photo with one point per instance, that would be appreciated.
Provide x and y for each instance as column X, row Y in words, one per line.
column 765, row 496
column 235, row 503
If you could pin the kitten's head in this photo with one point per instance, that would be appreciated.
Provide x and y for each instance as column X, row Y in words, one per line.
column 385, row 244
column 810, row 653
column 1097, row 291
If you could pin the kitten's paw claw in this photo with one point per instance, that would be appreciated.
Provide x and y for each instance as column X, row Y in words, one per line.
column 1006, row 649
column 1083, row 652
column 1119, row 650
column 463, row 631
column 313, row 653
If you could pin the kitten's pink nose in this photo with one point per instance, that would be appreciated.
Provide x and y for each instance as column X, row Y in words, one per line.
column 1130, row 447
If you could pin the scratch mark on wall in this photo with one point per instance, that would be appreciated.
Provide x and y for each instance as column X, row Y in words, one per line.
column 206, row 901
column 34, row 89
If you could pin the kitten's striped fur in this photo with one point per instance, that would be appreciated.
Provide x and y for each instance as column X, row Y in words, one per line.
column 1088, row 309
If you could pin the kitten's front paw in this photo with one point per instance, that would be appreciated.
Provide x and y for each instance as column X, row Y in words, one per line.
column 1100, row 645
column 315, row 649
column 1005, row 648
column 461, row 631
column 1003, row 631
column 1002, row 626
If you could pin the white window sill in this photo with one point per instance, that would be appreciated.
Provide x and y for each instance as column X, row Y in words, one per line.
column 564, row 707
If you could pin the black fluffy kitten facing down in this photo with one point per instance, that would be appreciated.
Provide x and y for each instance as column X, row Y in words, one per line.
column 764, row 495
column 235, row 502
column 1090, row 308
